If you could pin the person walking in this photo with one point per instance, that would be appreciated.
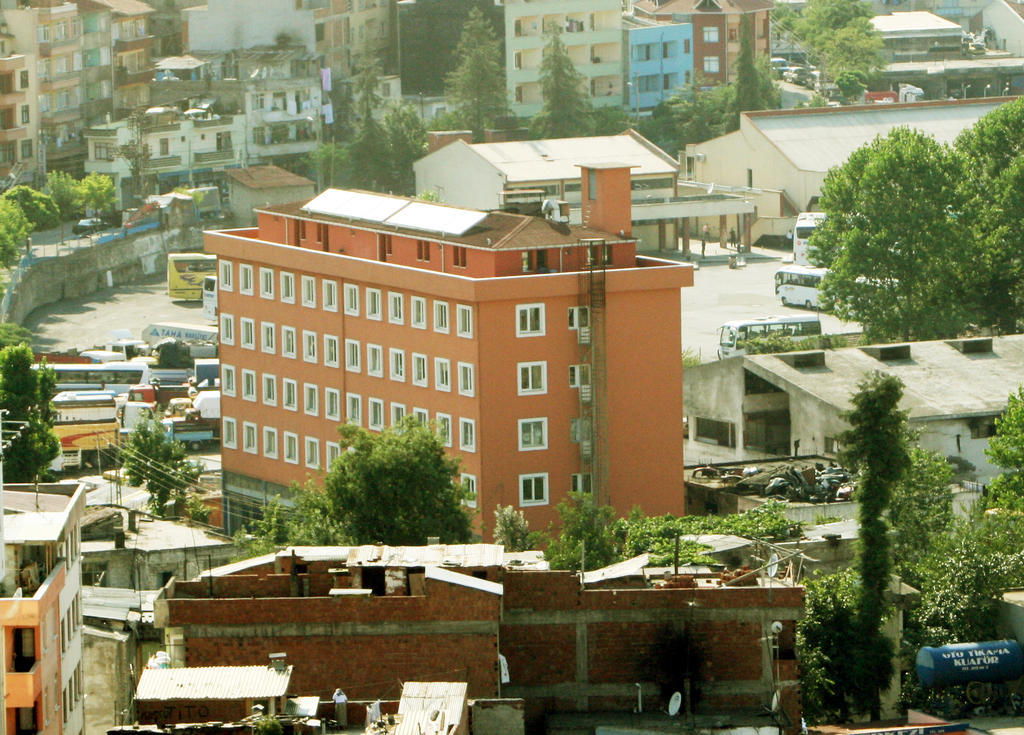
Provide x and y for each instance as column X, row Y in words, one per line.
column 704, row 240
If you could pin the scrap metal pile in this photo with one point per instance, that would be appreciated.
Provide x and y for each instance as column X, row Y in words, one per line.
column 817, row 484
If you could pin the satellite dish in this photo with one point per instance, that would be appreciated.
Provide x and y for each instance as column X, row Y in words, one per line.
column 675, row 703
column 775, row 701
column 773, row 565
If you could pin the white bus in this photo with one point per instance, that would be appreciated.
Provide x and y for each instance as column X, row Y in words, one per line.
column 806, row 223
column 210, row 298
column 108, row 376
column 797, row 285
column 732, row 336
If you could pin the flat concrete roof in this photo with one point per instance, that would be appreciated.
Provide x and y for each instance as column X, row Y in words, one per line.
column 900, row 24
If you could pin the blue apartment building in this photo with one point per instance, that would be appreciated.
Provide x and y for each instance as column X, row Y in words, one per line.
column 660, row 61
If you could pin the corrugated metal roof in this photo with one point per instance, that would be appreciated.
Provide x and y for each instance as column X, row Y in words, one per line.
column 213, row 682
column 464, row 580
column 429, row 707
column 437, row 555
column 239, row 566
column 626, row 568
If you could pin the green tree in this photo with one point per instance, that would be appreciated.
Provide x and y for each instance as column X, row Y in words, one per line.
column 12, row 333
column 898, row 276
column 586, row 535
column 330, row 162
column 96, row 192
column 310, row 522
column 692, row 115
column 25, row 397
column 476, row 86
column 161, row 465
column 407, row 143
column 755, row 89
column 268, row 725
column 39, row 208
column 566, row 109
column 368, row 151
column 63, row 189
column 511, row 529
column 1006, row 451
column 840, row 37
column 609, row 120
column 921, row 510
column 14, row 228
column 398, row 487
column 876, row 448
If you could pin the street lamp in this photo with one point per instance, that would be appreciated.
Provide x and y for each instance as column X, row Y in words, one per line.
column 987, row 88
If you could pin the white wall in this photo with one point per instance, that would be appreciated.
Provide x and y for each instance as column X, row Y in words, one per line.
column 460, row 177
column 229, row 24
column 1008, row 26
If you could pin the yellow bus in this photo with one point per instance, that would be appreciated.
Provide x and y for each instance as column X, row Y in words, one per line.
column 185, row 274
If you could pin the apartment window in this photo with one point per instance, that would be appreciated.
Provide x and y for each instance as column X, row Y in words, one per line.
column 291, row 447
column 227, row 329
column 309, row 291
column 467, row 435
column 441, row 316
column 533, row 434
column 419, row 312
column 266, row 283
column 419, row 370
column 333, row 452
column 397, row 413
column 312, row 453
column 533, row 378
column 444, row 428
column 330, row 295
column 376, row 418
column 422, row 250
column 308, row 346
column 579, row 375
column 710, row 64
column 311, row 399
column 351, row 299
column 287, row 287
column 396, row 308
column 245, row 277
column 225, row 281
column 711, row 34
column 269, row 389
column 458, row 256
column 375, row 361
column 248, row 385
column 290, row 394
column 579, row 316
column 396, row 363
column 288, row 341
column 269, row 442
column 229, row 433
column 422, row 415
column 249, row 437
column 530, row 320
column 332, row 404
column 227, row 380
column 467, row 378
column 248, row 333
column 469, row 487
column 442, row 374
column 373, row 305
column 331, row 357
column 354, row 408
column 533, row 489
column 579, row 430
column 712, row 431
column 580, row 482
column 464, row 320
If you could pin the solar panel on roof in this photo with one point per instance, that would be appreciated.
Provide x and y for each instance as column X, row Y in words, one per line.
column 435, row 218
column 354, row 205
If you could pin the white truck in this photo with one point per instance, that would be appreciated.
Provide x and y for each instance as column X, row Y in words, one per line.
column 159, row 331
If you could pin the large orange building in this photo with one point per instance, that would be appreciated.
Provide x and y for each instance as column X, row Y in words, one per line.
column 548, row 355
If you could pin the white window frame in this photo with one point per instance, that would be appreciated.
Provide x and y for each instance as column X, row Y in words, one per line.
column 287, row 287
column 396, row 364
column 270, row 442
column 443, row 422
column 331, row 345
column 245, row 279
column 374, row 305
column 288, row 334
column 250, row 386
column 354, row 401
column 228, row 385
column 578, row 481
column 312, row 457
column 467, row 379
column 311, row 407
column 291, row 447
column 420, row 365
column 309, row 345
column 528, row 367
column 268, row 329
column 469, row 482
column 267, row 283
column 540, row 331
column 229, row 433
column 542, row 420
column 332, row 404
column 712, row 65
column 332, row 450
column 577, row 373
column 467, row 443
column 250, row 431
column 442, row 317
column 269, row 397
column 464, row 320
column 286, row 384
column 443, row 369
column 398, row 413
column 247, row 328
column 523, row 502
column 351, row 294
column 225, row 280
column 375, row 414
column 371, row 350
column 330, row 295
column 308, row 284
column 227, row 329
column 422, row 415
column 396, row 307
column 418, row 312
column 353, row 355
column 574, row 316
column 710, row 34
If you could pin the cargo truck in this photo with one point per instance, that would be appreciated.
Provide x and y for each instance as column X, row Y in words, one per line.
column 86, row 424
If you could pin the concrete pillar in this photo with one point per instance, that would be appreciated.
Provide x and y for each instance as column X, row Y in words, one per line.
column 684, row 226
column 661, row 234
column 723, row 229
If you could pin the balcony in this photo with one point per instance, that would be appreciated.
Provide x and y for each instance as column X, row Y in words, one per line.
column 214, row 156
column 12, row 63
column 124, row 77
column 164, row 162
column 9, row 135
column 100, row 132
column 214, row 122
column 135, row 43
column 24, row 688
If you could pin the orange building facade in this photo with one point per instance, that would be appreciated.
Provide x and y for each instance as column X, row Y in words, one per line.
column 548, row 356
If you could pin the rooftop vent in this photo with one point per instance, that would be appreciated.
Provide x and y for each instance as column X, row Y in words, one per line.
column 804, row 359
column 278, row 661
column 972, row 346
column 888, row 353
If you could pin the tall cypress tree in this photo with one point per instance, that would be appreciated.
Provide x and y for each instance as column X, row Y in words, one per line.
column 477, row 85
column 566, row 111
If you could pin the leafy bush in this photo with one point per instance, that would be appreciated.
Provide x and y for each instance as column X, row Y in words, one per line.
column 40, row 209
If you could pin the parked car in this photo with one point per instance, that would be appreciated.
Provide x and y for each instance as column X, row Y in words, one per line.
column 88, row 226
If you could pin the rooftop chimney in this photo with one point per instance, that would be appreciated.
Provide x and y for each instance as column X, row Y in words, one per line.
column 278, row 661
column 606, row 197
